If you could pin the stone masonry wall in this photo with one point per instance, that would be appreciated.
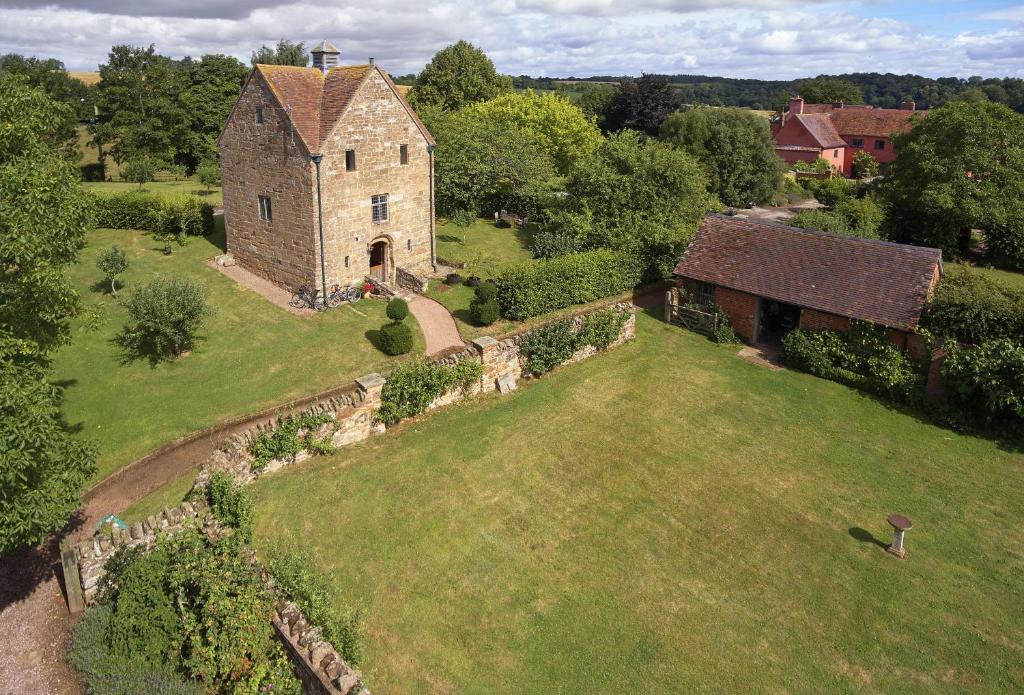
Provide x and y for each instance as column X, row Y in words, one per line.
column 263, row 159
column 319, row 666
column 375, row 125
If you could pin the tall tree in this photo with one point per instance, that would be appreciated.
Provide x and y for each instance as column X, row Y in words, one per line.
column 565, row 133
column 639, row 196
column 642, row 105
column 596, row 99
column 735, row 148
column 50, row 75
column 214, row 83
column 959, row 169
column 43, row 219
column 458, row 75
column 141, row 110
column 285, row 53
column 829, row 90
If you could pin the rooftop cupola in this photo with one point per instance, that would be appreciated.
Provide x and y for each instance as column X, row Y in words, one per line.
column 325, row 56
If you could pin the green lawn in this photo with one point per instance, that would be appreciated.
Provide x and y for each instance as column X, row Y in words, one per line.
column 1004, row 277
column 252, row 355
column 668, row 518
column 167, row 188
column 483, row 246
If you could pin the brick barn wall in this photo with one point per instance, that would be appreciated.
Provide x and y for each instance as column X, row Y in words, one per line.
column 813, row 320
column 261, row 159
column 741, row 308
column 375, row 125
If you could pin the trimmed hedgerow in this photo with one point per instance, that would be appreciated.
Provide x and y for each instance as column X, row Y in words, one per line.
column 862, row 357
column 547, row 347
column 972, row 308
column 985, row 383
column 153, row 213
column 412, row 387
column 537, row 287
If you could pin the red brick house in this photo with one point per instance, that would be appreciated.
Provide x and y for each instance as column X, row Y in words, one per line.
column 836, row 132
column 770, row 279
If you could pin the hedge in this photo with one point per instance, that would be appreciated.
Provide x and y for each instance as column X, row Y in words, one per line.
column 986, row 382
column 537, row 287
column 972, row 308
column 149, row 212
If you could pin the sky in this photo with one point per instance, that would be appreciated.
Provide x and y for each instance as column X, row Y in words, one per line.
column 766, row 39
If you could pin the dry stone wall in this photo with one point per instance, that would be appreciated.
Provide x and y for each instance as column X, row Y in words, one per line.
column 319, row 666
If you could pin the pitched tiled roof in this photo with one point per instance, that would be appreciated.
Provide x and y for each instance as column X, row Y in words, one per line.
column 821, row 129
column 873, row 122
column 863, row 279
column 315, row 102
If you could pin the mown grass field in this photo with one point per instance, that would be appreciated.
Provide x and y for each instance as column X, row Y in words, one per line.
column 188, row 186
column 252, row 354
column 667, row 518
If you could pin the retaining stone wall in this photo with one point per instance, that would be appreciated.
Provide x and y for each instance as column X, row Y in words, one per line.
column 318, row 665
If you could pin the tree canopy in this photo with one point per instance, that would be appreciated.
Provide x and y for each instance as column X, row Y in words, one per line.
column 642, row 105
column 561, row 128
column 285, row 53
column 829, row 90
column 42, row 228
column 642, row 197
column 214, row 83
column 456, row 76
column 735, row 148
column 959, row 169
column 50, row 75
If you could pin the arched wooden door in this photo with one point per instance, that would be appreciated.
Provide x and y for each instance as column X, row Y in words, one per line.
column 379, row 260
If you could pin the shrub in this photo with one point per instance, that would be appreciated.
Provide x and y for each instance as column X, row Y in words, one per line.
column 396, row 339
column 601, row 328
column 547, row 347
column 986, row 382
column 833, row 191
column 1006, row 244
column 972, row 308
column 94, row 171
column 138, row 171
column 128, row 210
column 295, row 577
column 818, row 166
column 452, row 279
column 180, row 217
column 411, row 388
column 397, row 309
column 463, row 218
column 112, row 262
column 229, row 503
column 537, row 287
column 144, row 622
column 164, row 317
column 208, row 174
column 863, row 216
column 864, row 165
column 485, row 290
column 724, row 334
column 862, row 357
column 484, row 312
column 293, row 434
column 821, row 220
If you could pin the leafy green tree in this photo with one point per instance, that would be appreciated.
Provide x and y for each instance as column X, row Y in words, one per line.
column 50, row 75
column 734, row 146
column 865, row 165
column 456, row 76
column 829, row 90
column 285, row 53
column 112, row 262
column 558, row 124
column 483, row 167
column 642, row 105
column 959, row 169
column 643, row 198
column 43, row 219
column 214, row 83
column 208, row 174
column 142, row 112
column 163, row 319
column 596, row 99
column 140, row 171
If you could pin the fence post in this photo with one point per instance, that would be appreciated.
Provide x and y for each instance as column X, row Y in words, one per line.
column 72, row 577
column 669, row 306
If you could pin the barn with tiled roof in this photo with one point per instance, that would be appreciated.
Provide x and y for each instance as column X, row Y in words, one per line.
column 328, row 177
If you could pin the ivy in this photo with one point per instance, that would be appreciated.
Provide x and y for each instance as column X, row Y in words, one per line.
column 412, row 387
column 293, row 435
column 549, row 346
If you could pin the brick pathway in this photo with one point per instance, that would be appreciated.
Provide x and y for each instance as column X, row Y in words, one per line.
column 436, row 322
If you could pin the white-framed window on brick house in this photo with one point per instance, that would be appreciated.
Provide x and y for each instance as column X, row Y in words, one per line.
column 350, row 160
column 705, row 294
column 266, row 213
column 379, row 208
column 259, row 114
column 403, row 154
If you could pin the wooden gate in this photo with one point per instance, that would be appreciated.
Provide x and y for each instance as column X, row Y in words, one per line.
column 688, row 316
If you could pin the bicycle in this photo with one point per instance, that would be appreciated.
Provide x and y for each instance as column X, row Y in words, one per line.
column 339, row 294
column 307, row 299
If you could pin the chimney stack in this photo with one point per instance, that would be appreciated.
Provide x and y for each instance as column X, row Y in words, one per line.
column 908, row 105
column 796, row 105
column 325, row 56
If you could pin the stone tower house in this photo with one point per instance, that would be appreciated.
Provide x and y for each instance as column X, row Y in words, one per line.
column 327, row 153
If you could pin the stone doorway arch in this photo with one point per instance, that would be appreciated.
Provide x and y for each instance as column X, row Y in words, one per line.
column 382, row 266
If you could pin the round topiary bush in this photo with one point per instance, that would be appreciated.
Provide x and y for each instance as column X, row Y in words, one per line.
column 452, row 279
column 486, row 290
column 472, row 281
column 396, row 338
column 397, row 310
column 485, row 312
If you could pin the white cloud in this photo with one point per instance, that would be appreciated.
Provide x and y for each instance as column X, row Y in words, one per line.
column 745, row 38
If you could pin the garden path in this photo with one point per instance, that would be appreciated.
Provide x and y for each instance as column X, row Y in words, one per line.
column 436, row 322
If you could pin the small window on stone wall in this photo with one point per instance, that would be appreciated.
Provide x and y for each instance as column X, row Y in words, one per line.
column 408, row 244
column 259, row 114
column 379, row 206
column 350, row 160
column 265, row 211
column 403, row 154
column 346, row 261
